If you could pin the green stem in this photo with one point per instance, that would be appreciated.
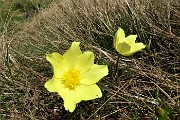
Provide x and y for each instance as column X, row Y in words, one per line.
column 116, row 70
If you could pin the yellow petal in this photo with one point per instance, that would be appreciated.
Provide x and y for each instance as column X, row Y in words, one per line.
column 72, row 54
column 58, row 63
column 135, row 48
column 69, row 105
column 119, row 37
column 70, row 98
column 82, row 92
column 53, row 85
column 94, row 74
column 130, row 40
column 84, row 62
column 123, row 48
column 88, row 92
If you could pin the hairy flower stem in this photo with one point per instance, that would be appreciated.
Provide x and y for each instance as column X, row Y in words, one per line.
column 116, row 70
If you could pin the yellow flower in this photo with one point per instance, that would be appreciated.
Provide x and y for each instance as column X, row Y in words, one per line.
column 126, row 46
column 75, row 76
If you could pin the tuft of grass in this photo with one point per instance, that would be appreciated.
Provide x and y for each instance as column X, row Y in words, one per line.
column 143, row 78
column 13, row 12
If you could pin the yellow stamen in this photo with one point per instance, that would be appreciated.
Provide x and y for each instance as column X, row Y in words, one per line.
column 71, row 78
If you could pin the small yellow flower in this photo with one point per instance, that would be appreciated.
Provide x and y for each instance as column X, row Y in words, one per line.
column 75, row 76
column 126, row 46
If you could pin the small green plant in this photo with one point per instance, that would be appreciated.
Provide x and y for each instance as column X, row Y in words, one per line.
column 164, row 111
column 30, row 6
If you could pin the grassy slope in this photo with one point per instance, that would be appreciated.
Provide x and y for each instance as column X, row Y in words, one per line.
column 142, row 78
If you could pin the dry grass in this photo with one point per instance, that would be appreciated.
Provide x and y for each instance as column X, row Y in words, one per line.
column 152, row 73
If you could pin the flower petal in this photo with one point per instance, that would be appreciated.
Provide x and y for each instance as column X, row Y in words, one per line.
column 72, row 54
column 88, row 92
column 130, row 39
column 53, row 85
column 69, row 97
column 135, row 48
column 94, row 74
column 123, row 48
column 69, row 105
column 82, row 92
column 58, row 63
column 119, row 37
column 84, row 62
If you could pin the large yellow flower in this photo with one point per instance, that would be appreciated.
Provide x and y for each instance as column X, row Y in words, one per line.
column 126, row 46
column 75, row 76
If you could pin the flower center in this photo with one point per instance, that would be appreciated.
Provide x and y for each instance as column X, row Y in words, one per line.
column 71, row 78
